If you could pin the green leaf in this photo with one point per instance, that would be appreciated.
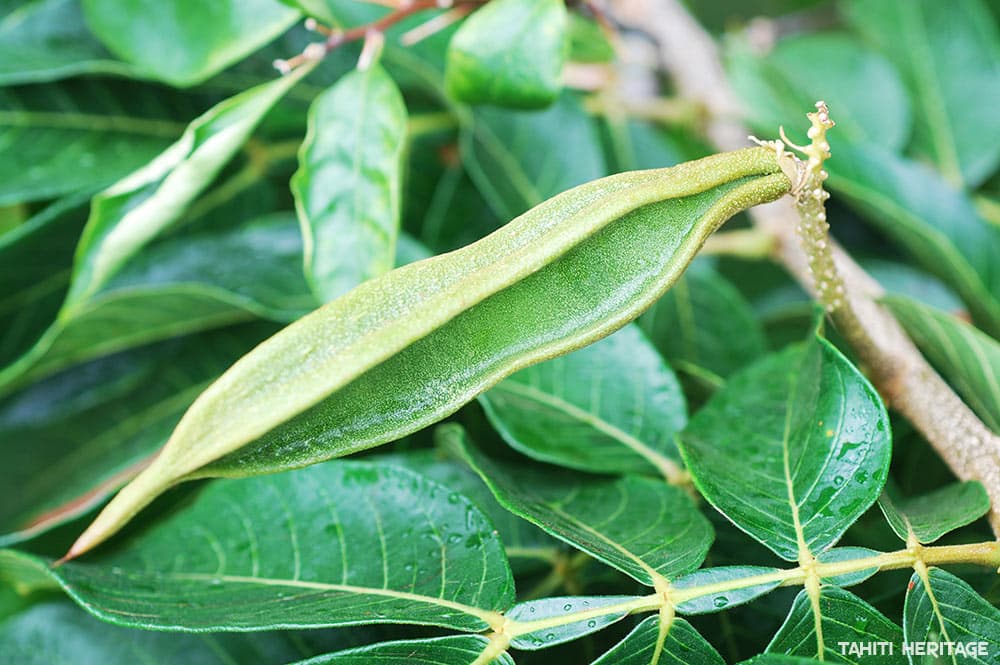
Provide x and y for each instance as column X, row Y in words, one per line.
column 176, row 286
column 844, row 618
column 58, row 632
column 703, row 326
column 128, row 216
column 37, row 257
column 587, row 41
column 900, row 279
column 546, row 608
column 519, row 159
column 933, row 222
column 943, row 608
column 337, row 544
column 509, row 53
column 643, row 527
column 406, row 349
column 612, row 407
column 793, row 449
column 184, row 42
column 682, row 645
column 347, row 188
column 77, row 136
column 134, row 210
column 949, row 54
column 932, row 515
column 457, row 650
column 968, row 358
column 716, row 602
column 45, row 40
column 71, row 440
column 864, row 91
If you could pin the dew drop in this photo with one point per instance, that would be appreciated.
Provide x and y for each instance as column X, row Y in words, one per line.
column 567, row 607
column 720, row 601
column 838, row 480
column 592, row 623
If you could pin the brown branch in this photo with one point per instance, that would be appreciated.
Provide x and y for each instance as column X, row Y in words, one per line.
column 896, row 366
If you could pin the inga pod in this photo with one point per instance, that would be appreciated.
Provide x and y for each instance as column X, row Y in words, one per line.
column 408, row 348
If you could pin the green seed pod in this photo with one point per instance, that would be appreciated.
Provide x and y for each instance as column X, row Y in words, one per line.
column 410, row 347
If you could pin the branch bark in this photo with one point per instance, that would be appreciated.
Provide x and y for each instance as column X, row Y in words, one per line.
column 897, row 368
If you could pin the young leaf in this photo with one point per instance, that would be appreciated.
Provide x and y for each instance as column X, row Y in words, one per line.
column 73, row 439
column 545, row 608
column 695, row 324
column 133, row 211
column 588, row 42
column 793, row 449
column 347, row 187
column 932, row 515
column 78, row 136
column 935, row 223
column 509, row 53
column 844, row 618
column 716, row 602
column 612, row 407
column 682, row 645
column 332, row 545
column 404, row 350
column 129, row 215
column 949, row 54
column 47, row 40
column 185, row 41
column 176, row 286
column 968, row 358
column 456, row 650
column 643, row 527
column 943, row 608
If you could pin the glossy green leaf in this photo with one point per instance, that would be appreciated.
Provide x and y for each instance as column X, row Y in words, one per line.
column 865, row 94
column 844, row 618
column 717, row 602
column 968, row 358
column 838, row 554
column 337, row 544
column 184, row 42
column 546, row 608
column 347, row 188
column 527, row 546
column 641, row 526
column 443, row 330
column 901, row 279
column 777, row 659
column 77, row 136
column 71, row 440
column 795, row 447
column 933, row 222
column 695, row 326
column 509, row 53
column 58, row 632
column 949, row 54
column 176, row 286
column 930, row 516
column 457, row 650
column 682, row 645
column 944, row 608
column 612, row 407
column 519, row 159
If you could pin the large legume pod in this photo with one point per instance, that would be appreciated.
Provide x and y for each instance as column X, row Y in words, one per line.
column 406, row 349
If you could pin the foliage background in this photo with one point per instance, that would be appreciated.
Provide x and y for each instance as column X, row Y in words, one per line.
column 93, row 91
